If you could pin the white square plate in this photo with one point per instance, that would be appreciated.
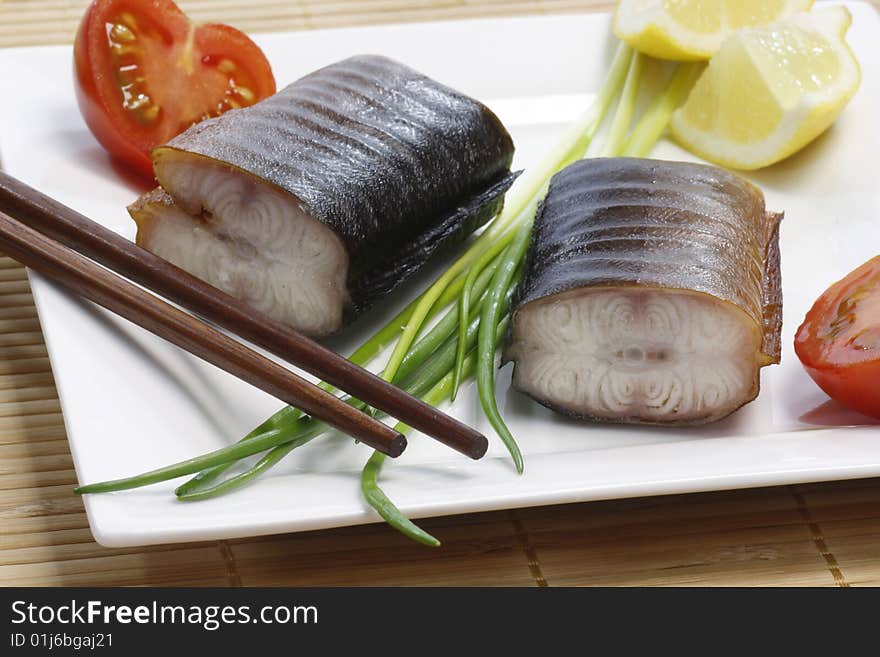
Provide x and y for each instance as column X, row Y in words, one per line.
column 132, row 402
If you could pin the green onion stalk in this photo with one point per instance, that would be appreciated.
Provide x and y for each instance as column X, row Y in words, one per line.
column 475, row 292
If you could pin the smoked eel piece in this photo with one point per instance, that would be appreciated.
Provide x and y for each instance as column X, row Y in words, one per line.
column 316, row 202
column 651, row 293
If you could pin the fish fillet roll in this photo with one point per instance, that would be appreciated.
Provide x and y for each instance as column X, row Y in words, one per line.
column 651, row 293
column 316, row 202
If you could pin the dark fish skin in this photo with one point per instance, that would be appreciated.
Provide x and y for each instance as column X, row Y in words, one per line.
column 658, row 224
column 395, row 163
column 452, row 229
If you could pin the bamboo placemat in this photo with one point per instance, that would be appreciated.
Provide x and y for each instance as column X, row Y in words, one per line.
column 810, row 535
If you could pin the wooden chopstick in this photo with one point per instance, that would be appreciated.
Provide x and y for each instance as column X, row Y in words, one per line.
column 90, row 280
column 71, row 228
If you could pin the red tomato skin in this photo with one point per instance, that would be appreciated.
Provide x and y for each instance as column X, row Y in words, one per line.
column 856, row 386
column 98, row 98
column 87, row 76
column 853, row 383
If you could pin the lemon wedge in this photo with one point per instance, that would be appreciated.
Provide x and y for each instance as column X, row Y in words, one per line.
column 693, row 29
column 769, row 91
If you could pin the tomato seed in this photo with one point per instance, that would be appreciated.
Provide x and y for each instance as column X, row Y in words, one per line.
column 151, row 113
column 120, row 49
column 137, row 102
column 246, row 94
column 121, row 33
column 129, row 20
column 226, row 66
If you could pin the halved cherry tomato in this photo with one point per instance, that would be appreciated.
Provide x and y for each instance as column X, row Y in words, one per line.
column 144, row 73
column 839, row 341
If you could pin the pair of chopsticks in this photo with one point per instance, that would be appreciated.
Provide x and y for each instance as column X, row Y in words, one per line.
column 63, row 245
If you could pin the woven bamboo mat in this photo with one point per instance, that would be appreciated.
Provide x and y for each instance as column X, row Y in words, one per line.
column 811, row 535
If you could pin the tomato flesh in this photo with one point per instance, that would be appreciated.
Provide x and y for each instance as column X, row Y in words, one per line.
column 144, row 73
column 839, row 340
